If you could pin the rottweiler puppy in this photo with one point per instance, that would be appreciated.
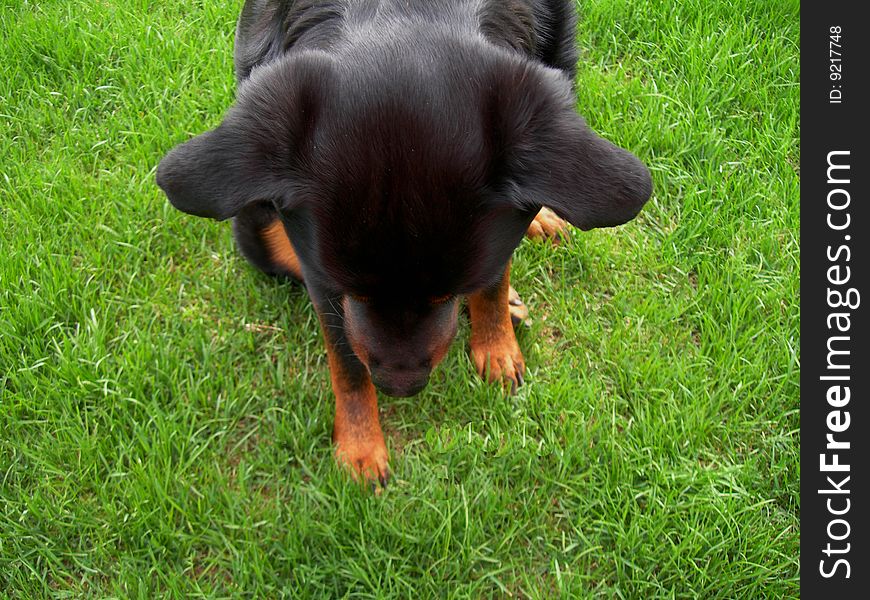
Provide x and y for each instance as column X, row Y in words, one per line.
column 391, row 155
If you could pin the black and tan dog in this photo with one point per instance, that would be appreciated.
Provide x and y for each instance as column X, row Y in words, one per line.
column 391, row 154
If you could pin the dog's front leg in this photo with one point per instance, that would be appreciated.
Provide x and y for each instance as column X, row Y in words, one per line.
column 494, row 347
column 359, row 441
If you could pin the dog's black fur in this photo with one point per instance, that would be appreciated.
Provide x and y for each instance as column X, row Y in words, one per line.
column 406, row 145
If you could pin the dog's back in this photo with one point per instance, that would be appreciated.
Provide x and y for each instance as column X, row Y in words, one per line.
column 540, row 29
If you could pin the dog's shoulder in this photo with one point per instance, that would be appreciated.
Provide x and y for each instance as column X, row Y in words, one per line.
column 510, row 24
column 543, row 30
column 268, row 28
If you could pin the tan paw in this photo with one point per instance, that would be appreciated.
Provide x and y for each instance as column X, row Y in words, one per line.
column 548, row 226
column 499, row 360
column 365, row 458
column 519, row 311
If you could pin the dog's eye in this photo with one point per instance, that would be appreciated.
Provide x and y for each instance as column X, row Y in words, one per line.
column 441, row 299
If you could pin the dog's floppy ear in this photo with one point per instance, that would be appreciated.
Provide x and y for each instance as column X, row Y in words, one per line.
column 252, row 155
column 553, row 159
column 216, row 174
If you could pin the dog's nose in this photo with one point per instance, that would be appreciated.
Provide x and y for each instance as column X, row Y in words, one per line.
column 400, row 383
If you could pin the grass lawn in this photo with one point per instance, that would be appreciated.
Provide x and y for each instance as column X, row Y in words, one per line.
column 165, row 410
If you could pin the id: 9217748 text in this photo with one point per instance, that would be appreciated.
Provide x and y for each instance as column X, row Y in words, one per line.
column 835, row 64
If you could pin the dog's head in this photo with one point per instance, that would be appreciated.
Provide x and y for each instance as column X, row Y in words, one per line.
column 406, row 178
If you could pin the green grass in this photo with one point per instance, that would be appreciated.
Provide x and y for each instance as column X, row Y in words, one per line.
column 166, row 413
